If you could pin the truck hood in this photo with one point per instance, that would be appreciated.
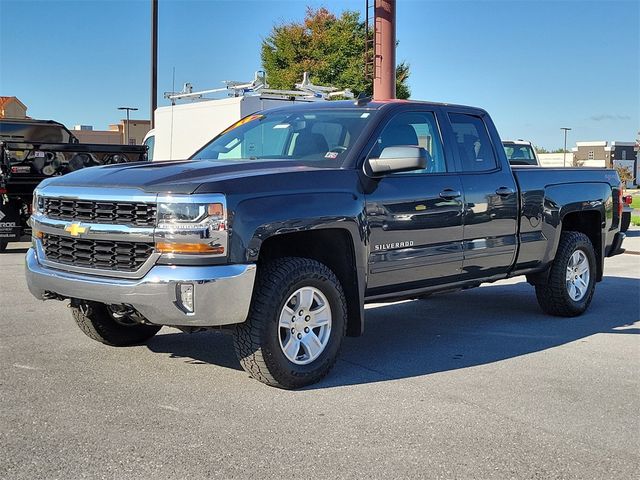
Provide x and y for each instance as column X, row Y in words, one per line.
column 182, row 177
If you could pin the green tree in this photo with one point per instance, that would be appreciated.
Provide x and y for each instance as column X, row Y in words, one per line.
column 540, row 149
column 330, row 48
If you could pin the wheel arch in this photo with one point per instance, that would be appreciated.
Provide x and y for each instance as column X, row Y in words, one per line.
column 333, row 247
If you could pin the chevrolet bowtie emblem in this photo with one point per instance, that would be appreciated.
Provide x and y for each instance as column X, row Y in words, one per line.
column 75, row 229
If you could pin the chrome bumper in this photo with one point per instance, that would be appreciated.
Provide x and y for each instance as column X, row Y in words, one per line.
column 222, row 294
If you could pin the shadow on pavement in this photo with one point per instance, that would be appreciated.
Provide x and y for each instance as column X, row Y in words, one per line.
column 445, row 332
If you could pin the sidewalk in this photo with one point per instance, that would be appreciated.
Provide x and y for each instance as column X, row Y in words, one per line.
column 631, row 244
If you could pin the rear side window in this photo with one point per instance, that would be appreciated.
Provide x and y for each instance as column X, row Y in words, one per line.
column 472, row 141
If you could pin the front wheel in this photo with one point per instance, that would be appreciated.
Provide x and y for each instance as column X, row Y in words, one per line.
column 572, row 281
column 98, row 322
column 295, row 326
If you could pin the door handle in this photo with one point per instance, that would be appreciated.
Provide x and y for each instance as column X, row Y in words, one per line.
column 449, row 194
column 505, row 191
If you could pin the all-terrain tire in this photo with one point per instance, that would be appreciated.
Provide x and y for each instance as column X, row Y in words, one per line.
column 97, row 323
column 553, row 297
column 257, row 341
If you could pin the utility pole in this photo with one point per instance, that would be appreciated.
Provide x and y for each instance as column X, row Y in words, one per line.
column 127, row 109
column 564, row 152
column 384, row 78
column 154, row 59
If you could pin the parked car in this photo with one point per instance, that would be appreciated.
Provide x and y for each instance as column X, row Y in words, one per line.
column 520, row 152
column 33, row 150
column 282, row 227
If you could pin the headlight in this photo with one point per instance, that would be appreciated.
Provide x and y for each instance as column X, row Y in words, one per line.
column 192, row 224
column 37, row 203
column 181, row 213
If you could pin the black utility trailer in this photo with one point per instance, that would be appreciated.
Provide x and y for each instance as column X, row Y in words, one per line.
column 33, row 150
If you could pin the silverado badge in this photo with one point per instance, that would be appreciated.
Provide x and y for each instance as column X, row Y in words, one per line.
column 75, row 229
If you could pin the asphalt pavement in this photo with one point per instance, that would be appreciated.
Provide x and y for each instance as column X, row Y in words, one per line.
column 477, row 384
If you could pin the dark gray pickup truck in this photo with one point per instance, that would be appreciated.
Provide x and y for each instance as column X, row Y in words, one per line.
column 287, row 223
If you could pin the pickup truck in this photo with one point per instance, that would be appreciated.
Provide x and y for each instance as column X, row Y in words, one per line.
column 283, row 226
column 520, row 152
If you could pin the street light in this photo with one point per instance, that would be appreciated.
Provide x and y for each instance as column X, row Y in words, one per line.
column 564, row 152
column 127, row 109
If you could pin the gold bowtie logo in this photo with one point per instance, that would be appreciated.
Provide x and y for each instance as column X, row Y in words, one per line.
column 75, row 229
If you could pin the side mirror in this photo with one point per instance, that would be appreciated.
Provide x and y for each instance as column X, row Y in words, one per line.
column 403, row 158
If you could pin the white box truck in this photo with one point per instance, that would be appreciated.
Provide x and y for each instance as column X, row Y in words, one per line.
column 182, row 129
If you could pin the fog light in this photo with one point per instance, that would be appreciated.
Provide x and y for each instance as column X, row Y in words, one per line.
column 185, row 297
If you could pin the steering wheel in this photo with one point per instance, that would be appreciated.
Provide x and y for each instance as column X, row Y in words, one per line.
column 338, row 149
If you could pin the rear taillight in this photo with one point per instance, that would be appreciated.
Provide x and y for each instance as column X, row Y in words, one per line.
column 627, row 199
column 620, row 202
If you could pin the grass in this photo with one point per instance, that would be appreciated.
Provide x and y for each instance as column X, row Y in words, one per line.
column 635, row 220
column 636, row 202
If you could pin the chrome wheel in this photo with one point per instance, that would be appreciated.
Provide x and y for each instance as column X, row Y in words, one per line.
column 305, row 325
column 578, row 276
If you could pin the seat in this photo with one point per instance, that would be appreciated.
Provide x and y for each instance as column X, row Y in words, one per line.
column 308, row 143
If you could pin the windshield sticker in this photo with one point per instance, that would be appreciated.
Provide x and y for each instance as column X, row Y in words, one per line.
column 242, row 121
column 331, row 155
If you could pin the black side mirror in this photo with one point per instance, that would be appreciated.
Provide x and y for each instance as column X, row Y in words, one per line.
column 403, row 158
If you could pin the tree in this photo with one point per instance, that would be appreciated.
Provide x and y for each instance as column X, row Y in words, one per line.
column 540, row 149
column 330, row 48
column 625, row 175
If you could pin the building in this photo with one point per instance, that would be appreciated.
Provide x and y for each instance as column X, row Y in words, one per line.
column 116, row 135
column 603, row 153
column 137, row 130
column 12, row 107
column 86, row 134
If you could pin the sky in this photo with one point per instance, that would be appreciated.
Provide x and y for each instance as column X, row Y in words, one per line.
column 535, row 66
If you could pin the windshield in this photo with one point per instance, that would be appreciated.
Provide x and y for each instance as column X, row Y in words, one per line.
column 520, row 154
column 321, row 137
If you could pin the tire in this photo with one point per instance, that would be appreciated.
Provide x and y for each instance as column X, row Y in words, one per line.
column 97, row 323
column 260, row 342
column 3, row 245
column 555, row 296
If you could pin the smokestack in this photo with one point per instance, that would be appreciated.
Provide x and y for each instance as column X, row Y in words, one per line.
column 384, row 80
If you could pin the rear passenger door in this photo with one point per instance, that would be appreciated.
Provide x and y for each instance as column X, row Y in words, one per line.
column 490, row 198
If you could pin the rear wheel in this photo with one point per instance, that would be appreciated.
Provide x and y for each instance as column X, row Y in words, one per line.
column 571, row 282
column 296, row 324
column 98, row 322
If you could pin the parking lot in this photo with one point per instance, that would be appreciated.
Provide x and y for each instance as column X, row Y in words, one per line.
column 475, row 384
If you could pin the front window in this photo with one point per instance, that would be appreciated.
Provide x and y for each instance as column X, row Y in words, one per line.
column 322, row 137
column 519, row 154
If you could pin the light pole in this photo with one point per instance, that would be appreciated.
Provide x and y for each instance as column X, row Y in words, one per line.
column 154, row 59
column 564, row 152
column 127, row 109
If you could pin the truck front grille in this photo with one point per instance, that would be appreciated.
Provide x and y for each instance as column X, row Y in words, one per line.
column 98, row 254
column 115, row 213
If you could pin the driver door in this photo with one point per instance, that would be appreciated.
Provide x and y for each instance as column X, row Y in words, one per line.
column 414, row 218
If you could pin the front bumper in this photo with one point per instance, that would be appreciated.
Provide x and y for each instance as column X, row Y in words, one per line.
column 222, row 294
